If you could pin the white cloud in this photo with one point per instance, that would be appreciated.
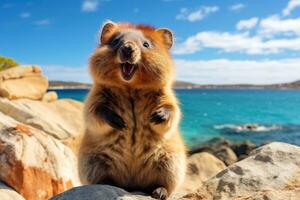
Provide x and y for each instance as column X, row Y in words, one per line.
column 224, row 71
column 196, row 15
column 237, row 42
column 25, row 15
column 275, row 25
column 42, row 22
column 272, row 36
column 66, row 73
column 247, row 24
column 89, row 5
column 237, row 7
column 290, row 7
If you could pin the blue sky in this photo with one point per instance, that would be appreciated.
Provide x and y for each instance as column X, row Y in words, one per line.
column 217, row 42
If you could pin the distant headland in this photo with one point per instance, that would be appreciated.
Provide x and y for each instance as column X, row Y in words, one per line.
column 54, row 85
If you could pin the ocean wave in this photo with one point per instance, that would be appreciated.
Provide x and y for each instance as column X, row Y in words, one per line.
column 248, row 127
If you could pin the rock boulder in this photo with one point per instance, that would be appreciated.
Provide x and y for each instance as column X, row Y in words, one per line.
column 271, row 171
column 96, row 192
column 50, row 97
column 201, row 166
column 62, row 119
column 227, row 151
column 33, row 163
column 23, row 82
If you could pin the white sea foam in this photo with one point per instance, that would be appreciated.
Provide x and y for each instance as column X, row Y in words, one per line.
column 248, row 127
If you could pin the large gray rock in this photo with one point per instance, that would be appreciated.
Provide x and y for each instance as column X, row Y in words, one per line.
column 270, row 172
column 96, row 192
column 104, row 192
column 292, row 194
column 7, row 193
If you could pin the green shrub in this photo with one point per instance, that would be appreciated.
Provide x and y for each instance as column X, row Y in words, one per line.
column 6, row 63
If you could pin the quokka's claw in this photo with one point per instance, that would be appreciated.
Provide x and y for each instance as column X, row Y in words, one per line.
column 160, row 193
column 159, row 116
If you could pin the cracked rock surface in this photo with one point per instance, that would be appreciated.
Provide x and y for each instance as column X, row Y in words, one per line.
column 33, row 163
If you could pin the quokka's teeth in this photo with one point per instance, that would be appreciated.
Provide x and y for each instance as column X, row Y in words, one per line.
column 131, row 70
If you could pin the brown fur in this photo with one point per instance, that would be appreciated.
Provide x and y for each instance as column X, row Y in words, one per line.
column 122, row 146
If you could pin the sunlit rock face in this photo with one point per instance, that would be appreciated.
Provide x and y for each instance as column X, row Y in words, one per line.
column 33, row 163
column 23, row 82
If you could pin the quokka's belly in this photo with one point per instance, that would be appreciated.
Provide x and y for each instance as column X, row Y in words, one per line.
column 136, row 170
column 137, row 177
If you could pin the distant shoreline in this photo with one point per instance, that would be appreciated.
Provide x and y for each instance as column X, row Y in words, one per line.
column 60, row 85
column 67, row 88
column 192, row 88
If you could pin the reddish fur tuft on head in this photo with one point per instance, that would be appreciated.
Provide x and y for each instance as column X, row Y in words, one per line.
column 126, row 25
column 152, row 64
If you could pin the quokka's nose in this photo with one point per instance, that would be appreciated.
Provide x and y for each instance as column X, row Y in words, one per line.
column 127, row 51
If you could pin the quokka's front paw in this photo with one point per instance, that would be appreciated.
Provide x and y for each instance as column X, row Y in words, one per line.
column 116, row 121
column 161, row 115
column 160, row 193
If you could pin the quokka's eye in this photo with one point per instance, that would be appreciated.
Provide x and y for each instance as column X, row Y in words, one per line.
column 146, row 44
column 115, row 42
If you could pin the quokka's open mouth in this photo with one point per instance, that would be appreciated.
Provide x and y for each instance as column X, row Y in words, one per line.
column 128, row 70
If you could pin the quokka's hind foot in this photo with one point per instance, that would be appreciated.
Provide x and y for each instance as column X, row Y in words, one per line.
column 160, row 193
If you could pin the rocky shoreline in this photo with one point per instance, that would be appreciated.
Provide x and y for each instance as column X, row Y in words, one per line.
column 39, row 137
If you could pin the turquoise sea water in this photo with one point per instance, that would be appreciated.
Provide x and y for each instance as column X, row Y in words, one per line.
column 209, row 113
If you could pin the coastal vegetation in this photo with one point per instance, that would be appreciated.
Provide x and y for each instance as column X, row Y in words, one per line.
column 6, row 63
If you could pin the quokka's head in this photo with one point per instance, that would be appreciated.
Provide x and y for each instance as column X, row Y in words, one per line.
column 133, row 55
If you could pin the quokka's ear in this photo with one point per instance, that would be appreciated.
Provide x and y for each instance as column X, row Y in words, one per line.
column 107, row 30
column 167, row 36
